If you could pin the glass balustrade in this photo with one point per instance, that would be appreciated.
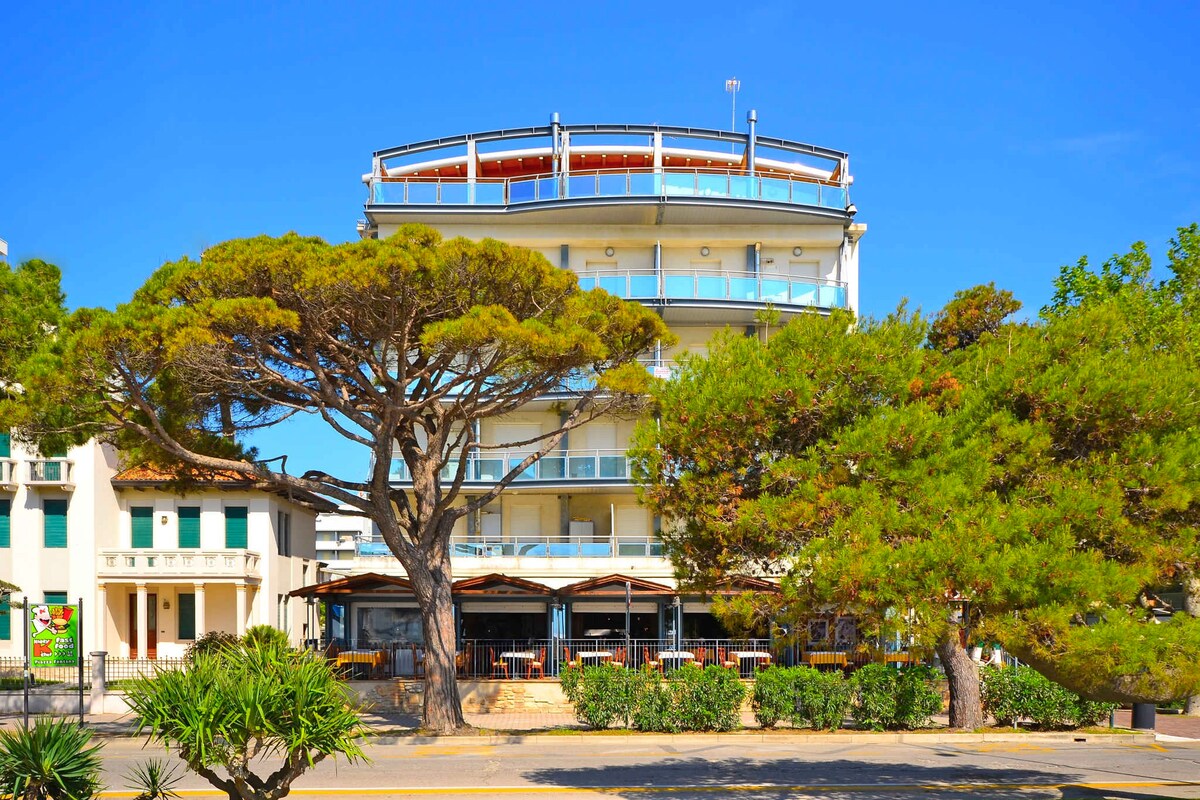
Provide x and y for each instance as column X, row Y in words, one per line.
column 718, row 286
column 546, row 547
column 606, row 183
column 558, row 466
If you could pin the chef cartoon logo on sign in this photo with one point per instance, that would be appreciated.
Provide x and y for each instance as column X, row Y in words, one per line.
column 54, row 636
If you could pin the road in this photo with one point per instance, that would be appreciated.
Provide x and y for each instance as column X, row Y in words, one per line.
column 696, row 768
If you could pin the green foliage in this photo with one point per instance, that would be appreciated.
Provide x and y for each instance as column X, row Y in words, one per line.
column 894, row 699
column 1015, row 694
column 971, row 315
column 265, row 636
column 802, row 696
column 211, row 643
column 230, row 709
column 154, row 779
column 32, row 307
column 688, row 699
column 53, row 760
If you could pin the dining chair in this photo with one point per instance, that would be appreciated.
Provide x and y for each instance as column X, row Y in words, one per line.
column 498, row 665
column 701, row 657
column 418, row 661
column 648, row 662
column 539, row 665
column 567, row 660
column 725, row 660
column 618, row 658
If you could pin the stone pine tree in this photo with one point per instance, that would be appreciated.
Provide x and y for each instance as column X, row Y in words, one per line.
column 1010, row 489
column 401, row 346
column 32, row 307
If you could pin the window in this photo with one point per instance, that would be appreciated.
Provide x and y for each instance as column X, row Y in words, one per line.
column 55, row 598
column 5, row 445
column 54, row 523
column 283, row 533
column 5, row 619
column 189, row 526
column 186, row 603
column 143, row 526
column 236, row 537
column 281, row 614
column 6, row 522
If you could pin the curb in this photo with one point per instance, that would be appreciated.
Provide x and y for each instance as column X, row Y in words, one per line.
column 589, row 740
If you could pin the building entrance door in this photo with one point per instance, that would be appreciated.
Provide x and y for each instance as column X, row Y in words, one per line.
column 151, row 627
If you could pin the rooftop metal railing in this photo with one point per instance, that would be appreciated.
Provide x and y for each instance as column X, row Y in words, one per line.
column 663, row 183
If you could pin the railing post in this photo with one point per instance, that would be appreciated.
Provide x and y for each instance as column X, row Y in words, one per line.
column 99, row 682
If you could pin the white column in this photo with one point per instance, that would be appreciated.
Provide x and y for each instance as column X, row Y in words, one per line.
column 200, row 626
column 241, row 609
column 143, row 613
column 101, row 625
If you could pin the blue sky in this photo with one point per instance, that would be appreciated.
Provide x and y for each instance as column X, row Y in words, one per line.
column 988, row 143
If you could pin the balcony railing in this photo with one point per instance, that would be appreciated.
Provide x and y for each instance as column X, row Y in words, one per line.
column 744, row 287
column 560, row 466
column 52, row 472
column 156, row 563
column 706, row 183
column 8, row 473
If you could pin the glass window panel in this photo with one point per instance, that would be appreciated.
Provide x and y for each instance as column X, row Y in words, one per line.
column 680, row 286
column 399, row 470
column 422, row 193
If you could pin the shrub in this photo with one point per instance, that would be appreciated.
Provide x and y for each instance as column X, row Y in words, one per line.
column 600, row 693
column 154, row 779
column 50, row 760
column 802, row 696
column 1013, row 694
column 708, row 699
column 651, row 703
column 774, row 696
column 211, row 642
column 265, row 635
column 894, row 699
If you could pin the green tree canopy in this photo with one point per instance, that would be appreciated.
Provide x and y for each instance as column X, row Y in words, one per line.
column 400, row 345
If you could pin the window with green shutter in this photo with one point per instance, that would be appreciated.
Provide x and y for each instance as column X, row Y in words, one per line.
column 235, row 528
column 5, row 620
column 186, row 603
column 54, row 523
column 189, row 526
column 6, row 522
column 55, row 598
column 143, row 526
column 5, row 445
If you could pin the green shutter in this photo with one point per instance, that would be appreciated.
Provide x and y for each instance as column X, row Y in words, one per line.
column 143, row 526
column 189, row 526
column 5, row 620
column 187, row 616
column 54, row 522
column 5, row 445
column 6, row 523
column 235, row 528
column 55, row 598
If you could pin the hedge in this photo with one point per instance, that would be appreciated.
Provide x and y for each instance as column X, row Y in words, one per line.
column 1021, row 694
column 689, row 699
column 802, row 696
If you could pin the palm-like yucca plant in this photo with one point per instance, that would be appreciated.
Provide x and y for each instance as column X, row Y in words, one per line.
column 154, row 779
column 50, row 761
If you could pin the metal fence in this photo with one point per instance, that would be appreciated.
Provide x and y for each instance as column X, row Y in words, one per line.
column 52, row 679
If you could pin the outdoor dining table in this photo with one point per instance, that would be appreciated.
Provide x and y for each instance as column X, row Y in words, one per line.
column 517, row 656
column 751, row 656
column 674, row 659
column 830, row 658
column 368, row 659
column 594, row 656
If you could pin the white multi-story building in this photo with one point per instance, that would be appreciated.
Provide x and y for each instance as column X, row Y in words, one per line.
column 154, row 568
column 341, row 534
column 708, row 228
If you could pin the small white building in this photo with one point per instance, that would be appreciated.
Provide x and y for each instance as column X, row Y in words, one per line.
column 155, row 567
column 340, row 535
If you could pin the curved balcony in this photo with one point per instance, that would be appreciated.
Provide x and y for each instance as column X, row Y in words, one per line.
column 560, row 467
column 663, row 184
column 699, row 287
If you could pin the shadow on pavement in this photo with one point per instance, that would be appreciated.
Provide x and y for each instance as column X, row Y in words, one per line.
column 775, row 779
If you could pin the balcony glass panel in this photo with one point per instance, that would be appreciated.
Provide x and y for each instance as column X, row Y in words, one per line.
column 547, row 189
column 581, row 186
column 455, row 193
column 712, row 185
column 489, row 194
column 527, row 474
column 643, row 286
column 777, row 190
column 614, row 185
column 711, row 287
column 742, row 187
column 743, row 288
column 774, row 291
column 615, row 285
column 489, row 469
column 560, row 549
column 645, row 183
column 588, row 282
column 595, row 549
column 679, row 286
column 387, row 192
column 522, row 191
column 553, row 467
column 423, row 193
column 831, row 296
column 806, row 193
column 581, row 466
column 679, row 183
column 833, row 197
column 804, row 294
column 612, row 466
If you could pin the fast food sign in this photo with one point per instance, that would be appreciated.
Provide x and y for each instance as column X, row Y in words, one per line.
column 54, row 635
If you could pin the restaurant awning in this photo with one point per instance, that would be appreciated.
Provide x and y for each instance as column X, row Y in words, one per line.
column 367, row 583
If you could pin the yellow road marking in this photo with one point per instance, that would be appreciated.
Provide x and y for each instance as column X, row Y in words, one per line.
column 743, row 787
column 1151, row 746
column 422, row 750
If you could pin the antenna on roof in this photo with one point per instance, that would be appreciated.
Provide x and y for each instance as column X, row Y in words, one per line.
column 732, row 86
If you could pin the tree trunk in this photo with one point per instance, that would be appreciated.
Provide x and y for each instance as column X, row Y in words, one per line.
column 1191, row 604
column 443, row 708
column 966, row 704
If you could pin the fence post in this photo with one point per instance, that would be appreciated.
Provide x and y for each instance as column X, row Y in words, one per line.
column 99, row 682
